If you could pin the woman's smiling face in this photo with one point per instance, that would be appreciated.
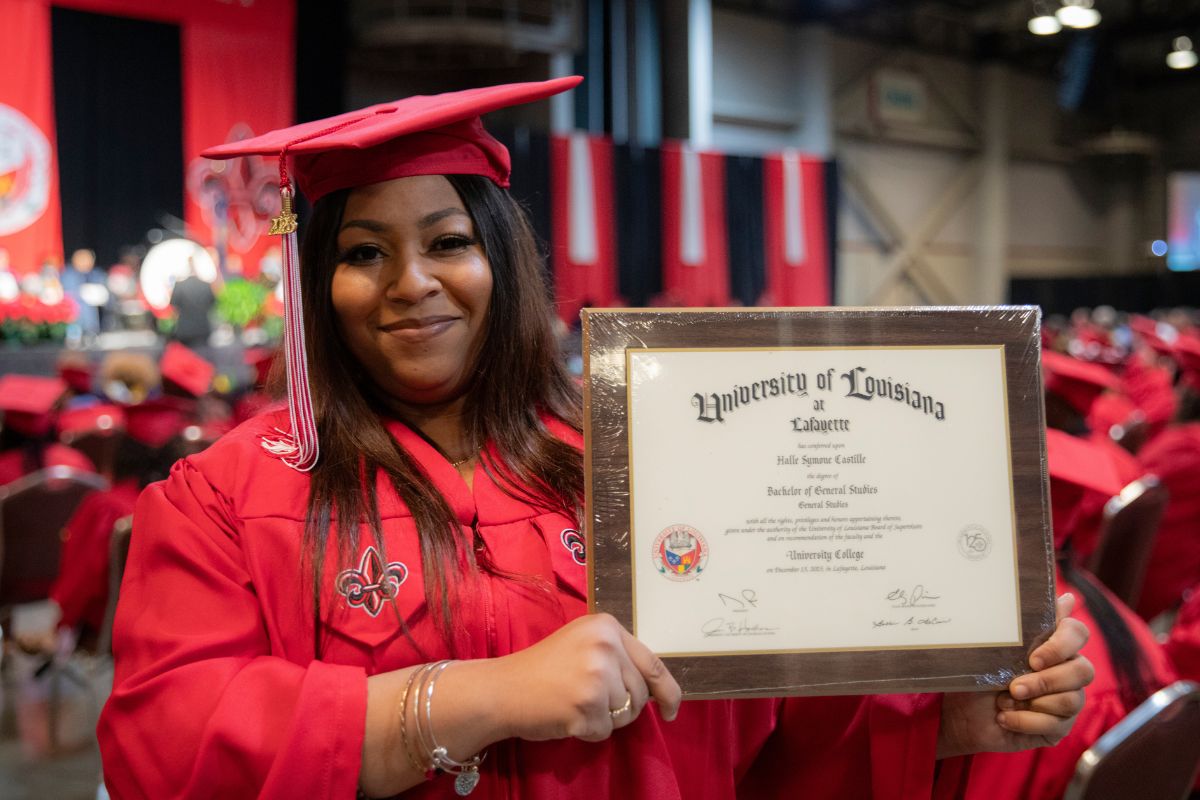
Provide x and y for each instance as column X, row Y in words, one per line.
column 411, row 288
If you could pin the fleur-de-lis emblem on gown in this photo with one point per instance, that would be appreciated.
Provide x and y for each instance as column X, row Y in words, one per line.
column 372, row 583
column 574, row 542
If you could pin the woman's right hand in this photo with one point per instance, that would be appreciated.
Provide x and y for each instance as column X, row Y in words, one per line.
column 568, row 683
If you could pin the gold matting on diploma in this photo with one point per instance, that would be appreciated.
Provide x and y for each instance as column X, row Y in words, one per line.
column 825, row 501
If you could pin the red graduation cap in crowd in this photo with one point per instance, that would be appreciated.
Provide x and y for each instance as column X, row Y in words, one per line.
column 155, row 422
column 422, row 135
column 1076, row 466
column 77, row 372
column 1147, row 331
column 1186, row 351
column 184, row 368
column 28, row 402
column 1077, row 382
column 101, row 417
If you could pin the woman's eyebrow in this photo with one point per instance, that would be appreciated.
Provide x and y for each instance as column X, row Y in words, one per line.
column 438, row 216
column 366, row 224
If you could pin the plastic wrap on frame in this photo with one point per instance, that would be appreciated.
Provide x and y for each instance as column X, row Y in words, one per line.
column 608, row 334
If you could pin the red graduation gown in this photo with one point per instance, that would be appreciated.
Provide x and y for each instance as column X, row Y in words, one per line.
column 217, row 693
column 12, row 462
column 81, row 588
column 1174, row 456
column 1043, row 774
column 1183, row 644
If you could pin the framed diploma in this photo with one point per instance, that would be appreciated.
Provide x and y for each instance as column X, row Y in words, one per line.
column 826, row 501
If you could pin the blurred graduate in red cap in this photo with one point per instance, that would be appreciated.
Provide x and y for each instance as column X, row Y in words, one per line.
column 30, row 407
column 188, row 380
column 1073, row 388
column 1174, row 456
column 1130, row 663
column 409, row 525
column 1147, row 376
column 153, row 440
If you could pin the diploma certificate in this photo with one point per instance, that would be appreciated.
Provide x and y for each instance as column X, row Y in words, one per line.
column 785, row 501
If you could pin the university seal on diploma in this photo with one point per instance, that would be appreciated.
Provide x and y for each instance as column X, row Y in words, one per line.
column 820, row 501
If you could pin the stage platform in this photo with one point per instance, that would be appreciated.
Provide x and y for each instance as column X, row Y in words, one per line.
column 40, row 359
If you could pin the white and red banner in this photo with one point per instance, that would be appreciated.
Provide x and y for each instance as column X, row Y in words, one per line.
column 694, row 246
column 238, row 80
column 583, row 237
column 796, row 246
column 30, row 214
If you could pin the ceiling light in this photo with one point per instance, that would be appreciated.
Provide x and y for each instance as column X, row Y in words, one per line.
column 1183, row 56
column 1078, row 14
column 1045, row 25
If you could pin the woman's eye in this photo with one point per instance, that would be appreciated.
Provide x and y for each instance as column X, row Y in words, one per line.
column 452, row 242
column 360, row 254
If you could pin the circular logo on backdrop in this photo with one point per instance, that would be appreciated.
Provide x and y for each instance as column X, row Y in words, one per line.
column 24, row 171
column 974, row 542
column 680, row 553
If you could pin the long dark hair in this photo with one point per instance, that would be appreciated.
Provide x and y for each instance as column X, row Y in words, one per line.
column 1135, row 679
column 518, row 377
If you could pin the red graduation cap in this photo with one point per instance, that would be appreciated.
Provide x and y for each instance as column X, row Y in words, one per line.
column 1147, row 331
column 1143, row 326
column 28, row 402
column 1186, row 351
column 76, row 370
column 186, row 369
column 1076, row 466
column 155, row 422
column 1077, row 382
column 421, row 135
column 97, row 417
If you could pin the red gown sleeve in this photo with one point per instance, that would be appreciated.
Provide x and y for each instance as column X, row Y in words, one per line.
column 882, row 747
column 200, row 708
column 1183, row 645
column 81, row 588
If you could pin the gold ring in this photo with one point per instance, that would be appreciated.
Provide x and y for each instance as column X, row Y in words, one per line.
column 616, row 712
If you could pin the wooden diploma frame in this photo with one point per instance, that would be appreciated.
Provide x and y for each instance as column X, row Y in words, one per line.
column 820, row 501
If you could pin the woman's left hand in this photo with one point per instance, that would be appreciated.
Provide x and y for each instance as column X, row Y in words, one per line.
column 1036, row 710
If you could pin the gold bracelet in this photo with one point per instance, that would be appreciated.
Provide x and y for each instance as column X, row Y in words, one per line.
column 408, row 749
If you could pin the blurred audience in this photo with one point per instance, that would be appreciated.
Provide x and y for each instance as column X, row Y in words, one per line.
column 27, row 440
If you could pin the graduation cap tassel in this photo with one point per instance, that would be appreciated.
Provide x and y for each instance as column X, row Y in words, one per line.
column 299, row 448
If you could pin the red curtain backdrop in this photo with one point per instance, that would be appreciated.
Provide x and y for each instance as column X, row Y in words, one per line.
column 694, row 248
column 238, row 75
column 30, row 215
column 237, row 82
column 583, row 253
column 797, row 247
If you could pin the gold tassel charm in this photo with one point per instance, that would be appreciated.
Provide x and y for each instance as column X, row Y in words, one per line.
column 285, row 223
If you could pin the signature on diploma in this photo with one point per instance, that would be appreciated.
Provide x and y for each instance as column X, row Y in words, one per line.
column 912, row 622
column 917, row 597
column 741, row 626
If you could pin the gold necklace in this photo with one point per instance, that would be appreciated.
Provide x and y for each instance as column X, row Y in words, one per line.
column 461, row 461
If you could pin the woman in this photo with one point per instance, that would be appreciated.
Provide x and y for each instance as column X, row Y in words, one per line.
column 264, row 647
